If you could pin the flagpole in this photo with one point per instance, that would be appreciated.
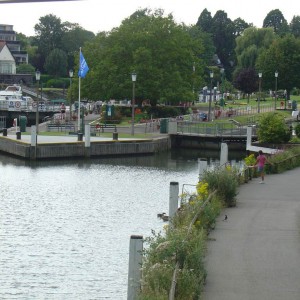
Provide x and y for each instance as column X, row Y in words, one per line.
column 79, row 97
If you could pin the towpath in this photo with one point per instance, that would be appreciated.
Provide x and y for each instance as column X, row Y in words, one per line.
column 255, row 253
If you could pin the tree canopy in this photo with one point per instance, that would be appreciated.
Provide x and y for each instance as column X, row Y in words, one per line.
column 161, row 52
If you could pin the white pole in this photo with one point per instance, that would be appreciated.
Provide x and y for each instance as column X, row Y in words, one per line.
column 202, row 166
column 79, row 97
column 173, row 200
column 224, row 155
column 134, row 266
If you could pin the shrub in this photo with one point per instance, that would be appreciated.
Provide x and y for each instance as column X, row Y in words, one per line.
column 224, row 182
column 297, row 130
column 273, row 129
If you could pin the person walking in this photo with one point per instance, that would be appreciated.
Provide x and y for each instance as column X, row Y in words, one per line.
column 261, row 161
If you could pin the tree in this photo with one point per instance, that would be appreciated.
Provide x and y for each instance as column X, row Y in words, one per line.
column 205, row 21
column 246, row 81
column 25, row 69
column 56, row 63
column 161, row 52
column 240, row 25
column 49, row 33
column 282, row 56
column 223, row 32
column 250, row 44
column 273, row 129
column 295, row 26
column 276, row 20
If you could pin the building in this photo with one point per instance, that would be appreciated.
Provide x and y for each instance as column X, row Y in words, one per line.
column 7, row 61
column 8, row 35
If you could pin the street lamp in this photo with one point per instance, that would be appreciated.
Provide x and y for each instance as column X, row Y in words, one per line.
column 194, row 69
column 71, row 73
column 37, row 78
column 222, row 85
column 133, row 78
column 276, row 76
column 259, row 95
column 211, row 75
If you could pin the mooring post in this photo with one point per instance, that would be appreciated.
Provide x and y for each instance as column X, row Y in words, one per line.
column 249, row 137
column 173, row 199
column 134, row 266
column 202, row 166
column 224, row 155
column 87, row 140
column 33, row 144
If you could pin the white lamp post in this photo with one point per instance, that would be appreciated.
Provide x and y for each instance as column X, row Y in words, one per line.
column 133, row 77
column 37, row 78
column 276, row 76
column 258, row 102
column 71, row 73
column 211, row 75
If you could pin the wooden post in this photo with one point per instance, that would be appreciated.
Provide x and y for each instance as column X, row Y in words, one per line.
column 134, row 266
column 173, row 199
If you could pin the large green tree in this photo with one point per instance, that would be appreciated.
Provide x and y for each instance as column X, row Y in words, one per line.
column 161, row 52
column 283, row 56
column 250, row 44
column 49, row 32
column 295, row 26
column 56, row 63
column 276, row 20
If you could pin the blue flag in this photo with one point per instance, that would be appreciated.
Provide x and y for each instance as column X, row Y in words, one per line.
column 83, row 67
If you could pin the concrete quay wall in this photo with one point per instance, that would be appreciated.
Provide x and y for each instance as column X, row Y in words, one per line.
column 79, row 149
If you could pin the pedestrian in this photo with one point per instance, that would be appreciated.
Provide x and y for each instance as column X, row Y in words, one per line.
column 261, row 160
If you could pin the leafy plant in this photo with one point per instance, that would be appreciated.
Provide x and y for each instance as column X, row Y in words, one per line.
column 273, row 129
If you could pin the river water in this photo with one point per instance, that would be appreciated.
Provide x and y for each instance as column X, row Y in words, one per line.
column 65, row 226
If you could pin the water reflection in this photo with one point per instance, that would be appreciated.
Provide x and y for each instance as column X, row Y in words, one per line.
column 65, row 225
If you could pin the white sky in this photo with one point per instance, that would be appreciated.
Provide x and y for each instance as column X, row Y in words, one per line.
column 100, row 15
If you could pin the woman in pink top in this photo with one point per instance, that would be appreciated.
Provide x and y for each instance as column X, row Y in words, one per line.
column 260, row 163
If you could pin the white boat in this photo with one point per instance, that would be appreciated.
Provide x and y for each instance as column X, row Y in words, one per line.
column 11, row 99
column 12, row 92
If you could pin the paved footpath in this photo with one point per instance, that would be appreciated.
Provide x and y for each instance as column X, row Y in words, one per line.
column 255, row 254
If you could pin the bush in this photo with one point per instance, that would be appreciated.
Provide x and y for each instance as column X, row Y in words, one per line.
column 273, row 129
column 224, row 182
column 297, row 130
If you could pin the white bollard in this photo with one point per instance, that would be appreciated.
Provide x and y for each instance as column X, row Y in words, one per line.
column 33, row 136
column 249, row 137
column 134, row 266
column 224, row 155
column 87, row 134
column 202, row 166
column 173, row 199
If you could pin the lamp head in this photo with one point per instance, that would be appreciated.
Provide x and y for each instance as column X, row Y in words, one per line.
column 71, row 73
column 260, row 74
column 133, row 76
column 276, row 74
column 211, row 74
column 37, row 75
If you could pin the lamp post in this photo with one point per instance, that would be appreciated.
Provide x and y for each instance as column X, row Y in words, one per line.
column 37, row 78
column 194, row 69
column 276, row 76
column 222, row 85
column 259, row 95
column 71, row 73
column 211, row 75
column 133, row 78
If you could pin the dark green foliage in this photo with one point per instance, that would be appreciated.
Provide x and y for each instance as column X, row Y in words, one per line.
column 225, row 183
column 273, row 129
column 297, row 130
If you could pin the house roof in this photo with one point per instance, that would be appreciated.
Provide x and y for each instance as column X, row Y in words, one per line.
column 2, row 44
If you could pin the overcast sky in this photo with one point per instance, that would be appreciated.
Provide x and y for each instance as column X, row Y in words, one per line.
column 100, row 15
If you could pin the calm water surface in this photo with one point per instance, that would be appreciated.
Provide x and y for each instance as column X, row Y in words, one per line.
column 65, row 226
